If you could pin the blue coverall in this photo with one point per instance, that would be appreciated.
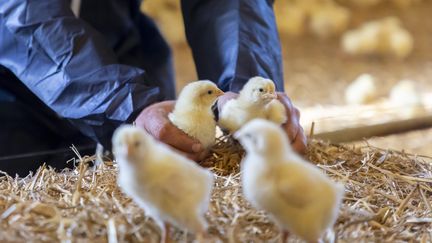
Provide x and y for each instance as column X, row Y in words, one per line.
column 62, row 76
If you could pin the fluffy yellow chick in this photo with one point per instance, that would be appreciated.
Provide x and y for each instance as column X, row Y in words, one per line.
column 257, row 99
column 405, row 92
column 380, row 37
column 293, row 19
column 169, row 187
column 193, row 114
column 296, row 194
column 401, row 43
column 329, row 20
column 362, row 90
column 355, row 44
column 407, row 97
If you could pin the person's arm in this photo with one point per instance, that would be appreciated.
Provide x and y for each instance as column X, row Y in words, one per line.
column 67, row 65
column 233, row 40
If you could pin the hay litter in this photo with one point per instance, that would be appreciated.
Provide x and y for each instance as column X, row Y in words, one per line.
column 388, row 198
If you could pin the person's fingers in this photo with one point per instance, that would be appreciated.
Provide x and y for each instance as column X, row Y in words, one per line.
column 292, row 126
column 292, row 112
column 295, row 113
column 296, row 136
column 300, row 142
column 176, row 138
column 191, row 156
column 197, row 157
column 204, row 154
column 291, row 129
column 285, row 100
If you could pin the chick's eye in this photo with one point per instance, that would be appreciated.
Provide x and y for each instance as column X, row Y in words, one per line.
column 210, row 92
column 137, row 143
column 261, row 90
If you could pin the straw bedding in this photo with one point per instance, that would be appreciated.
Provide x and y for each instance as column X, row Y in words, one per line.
column 388, row 196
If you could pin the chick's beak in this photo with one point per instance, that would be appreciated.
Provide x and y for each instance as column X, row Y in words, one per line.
column 219, row 92
column 270, row 96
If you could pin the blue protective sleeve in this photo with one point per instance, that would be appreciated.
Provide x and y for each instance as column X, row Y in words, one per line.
column 233, row 40
column 67, row 65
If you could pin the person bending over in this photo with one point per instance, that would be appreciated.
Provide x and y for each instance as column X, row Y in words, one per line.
column 72, row 77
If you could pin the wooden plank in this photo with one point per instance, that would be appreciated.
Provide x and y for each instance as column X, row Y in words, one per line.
column 352, row 123
column 367, row 131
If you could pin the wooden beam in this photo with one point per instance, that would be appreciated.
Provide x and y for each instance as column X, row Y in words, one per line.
column 356, row 122
column 367, row 131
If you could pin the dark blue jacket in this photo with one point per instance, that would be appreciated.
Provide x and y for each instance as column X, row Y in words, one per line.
column 103, row 68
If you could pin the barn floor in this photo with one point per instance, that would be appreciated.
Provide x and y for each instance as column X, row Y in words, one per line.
column 415, row 142
column 387, row 199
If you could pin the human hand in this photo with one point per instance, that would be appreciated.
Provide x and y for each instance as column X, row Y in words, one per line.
column 292, row 126
column 154, row 119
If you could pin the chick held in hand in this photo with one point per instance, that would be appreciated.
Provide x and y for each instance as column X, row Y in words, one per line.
column 171, row 189
column 193, row 111
column 257, row 99
column 296, row 194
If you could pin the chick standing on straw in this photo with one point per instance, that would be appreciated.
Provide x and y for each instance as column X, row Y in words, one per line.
column 169, row 187
column 296, row 194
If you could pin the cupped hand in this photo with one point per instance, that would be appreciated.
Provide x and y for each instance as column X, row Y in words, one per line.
column 154, row 119
column 292, row 126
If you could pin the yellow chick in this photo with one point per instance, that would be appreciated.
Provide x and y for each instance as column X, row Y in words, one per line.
column 257, row 99
column 405, row 92
column 295, row 193
column 362, row 90
column 380, row 37
column 401, row 43
column 329, row 20
column 355, row 44
column 169, row 187
column 293, row 19
column 193, row 114
column 406, row 96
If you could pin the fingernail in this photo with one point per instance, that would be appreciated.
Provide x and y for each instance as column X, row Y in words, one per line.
column 197, row 147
